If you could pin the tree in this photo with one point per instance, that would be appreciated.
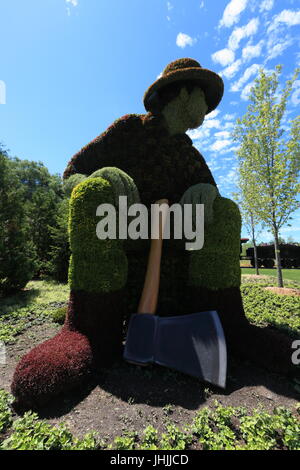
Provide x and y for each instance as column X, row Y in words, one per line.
column 249, row 218
column 17, row 252
column 59, row 247
column 42, row 194
column 269, row 159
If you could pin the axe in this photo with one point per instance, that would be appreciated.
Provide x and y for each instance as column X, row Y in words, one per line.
column 193, row 344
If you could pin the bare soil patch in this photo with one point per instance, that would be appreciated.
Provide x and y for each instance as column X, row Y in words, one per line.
column 127, row 398
column 284, row 290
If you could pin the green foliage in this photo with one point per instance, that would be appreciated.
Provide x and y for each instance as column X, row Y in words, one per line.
column 29, row 433
column 174, row 438
column 125, row 442
column 217, row 264
column 185, row 111
column 70, row 183
column 213, row 428
column 263, row 431
column 96, row 265
column 5, row 411
column 17, row 252
column 217, row 428
column 59, row 314
column 42, row 193
column 269, row 162
column 121, row 184
column 149, row 439
column 59, row 252
column 233, row 429
column 263, row 307
column 270, row 276
column 33, row 306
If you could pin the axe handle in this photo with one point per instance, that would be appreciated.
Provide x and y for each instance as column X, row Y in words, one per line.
column 149, row 297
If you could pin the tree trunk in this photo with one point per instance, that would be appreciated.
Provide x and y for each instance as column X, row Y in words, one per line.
column 278, row 258
column 255, row 257
column 254, row 246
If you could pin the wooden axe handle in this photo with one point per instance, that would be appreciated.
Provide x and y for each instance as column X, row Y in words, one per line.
column 149, row 297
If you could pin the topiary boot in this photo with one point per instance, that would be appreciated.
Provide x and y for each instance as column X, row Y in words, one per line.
column 92, row 334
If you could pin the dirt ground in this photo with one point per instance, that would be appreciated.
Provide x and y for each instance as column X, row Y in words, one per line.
column 284, row 290
column 129, row 398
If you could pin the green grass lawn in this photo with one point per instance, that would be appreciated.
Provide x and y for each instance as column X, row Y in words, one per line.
column 291, row 274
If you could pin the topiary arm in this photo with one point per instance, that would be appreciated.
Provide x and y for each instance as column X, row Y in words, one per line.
column 202, row 193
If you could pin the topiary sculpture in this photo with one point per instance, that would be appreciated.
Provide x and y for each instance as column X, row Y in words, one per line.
column 147, row 157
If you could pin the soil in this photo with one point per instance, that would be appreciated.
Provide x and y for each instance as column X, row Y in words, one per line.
column 284, row 290
column 127, row 397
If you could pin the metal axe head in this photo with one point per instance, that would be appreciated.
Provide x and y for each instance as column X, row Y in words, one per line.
column 193, row 344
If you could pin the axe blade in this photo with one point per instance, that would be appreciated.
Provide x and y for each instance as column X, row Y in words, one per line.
column 194, row 344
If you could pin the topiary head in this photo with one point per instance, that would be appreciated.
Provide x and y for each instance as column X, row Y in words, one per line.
column 182, row 105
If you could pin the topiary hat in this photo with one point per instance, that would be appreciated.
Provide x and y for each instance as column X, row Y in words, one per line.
column 188, row 70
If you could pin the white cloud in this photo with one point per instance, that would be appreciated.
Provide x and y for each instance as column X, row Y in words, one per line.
column 210, row 123
column 287, row 17
column 249, row 52
column 202, row 4
column 252, row 70
column 246, row 91
column 266, row 5
column 229, row 178
column 223, row 57
column 277, row 47
column 295, row 98
column 229, row 117
column 242, row 32
column 220, row 144
column 200, row 133
column 228, row 125
column 232, row 69
column 74, row 3
column 232, row 12
column 169, row 6
column 223, row 134
column 213, row 114
column 184, row 40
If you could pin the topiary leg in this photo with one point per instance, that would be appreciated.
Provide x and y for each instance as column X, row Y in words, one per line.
column 214, row 283
column 92, row 334
column 217, row 264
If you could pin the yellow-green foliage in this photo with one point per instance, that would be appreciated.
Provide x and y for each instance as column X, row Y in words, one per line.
column 71, row 182
column 216, row 265
column 96, row 265
column 185, row 111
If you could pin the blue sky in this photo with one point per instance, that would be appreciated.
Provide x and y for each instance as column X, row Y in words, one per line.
column 71, row 67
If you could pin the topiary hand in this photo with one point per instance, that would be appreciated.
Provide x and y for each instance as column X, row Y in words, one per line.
column 201, row 193
column 122, row 184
